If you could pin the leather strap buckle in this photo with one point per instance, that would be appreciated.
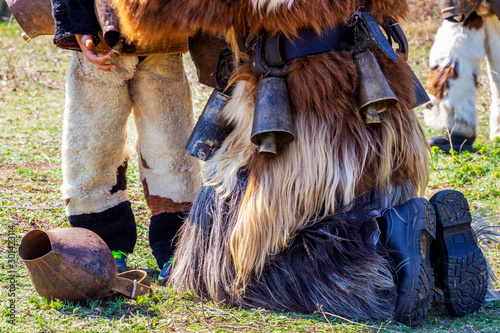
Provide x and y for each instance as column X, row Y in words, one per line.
column 264, row 53
column 394, row 32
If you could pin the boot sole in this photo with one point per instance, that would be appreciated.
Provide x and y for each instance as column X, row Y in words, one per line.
column 412, row 306
column 461, row 270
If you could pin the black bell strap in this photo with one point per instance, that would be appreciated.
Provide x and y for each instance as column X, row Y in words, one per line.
column 308, row 42
column 270, row 53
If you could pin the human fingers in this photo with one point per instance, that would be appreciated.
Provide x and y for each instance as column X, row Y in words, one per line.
column 88, row 41
column 89, row 51
column 85, row 42
column 99, row 61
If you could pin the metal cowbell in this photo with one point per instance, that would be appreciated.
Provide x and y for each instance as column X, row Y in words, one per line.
column 210, row 130
column 272, row 120
column 75, row 264
column 375, row 94
column 108, row 21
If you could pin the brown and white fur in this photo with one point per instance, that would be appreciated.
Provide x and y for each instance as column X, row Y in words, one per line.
column 455, row 61
column 299, row 230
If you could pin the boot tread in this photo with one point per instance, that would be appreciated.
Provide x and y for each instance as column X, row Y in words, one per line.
column 466, row 283
column 461, row 269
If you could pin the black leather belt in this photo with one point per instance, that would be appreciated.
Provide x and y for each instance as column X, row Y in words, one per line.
column 269, row 53
column 309, row 42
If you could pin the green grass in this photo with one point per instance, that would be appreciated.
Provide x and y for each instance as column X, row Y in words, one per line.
column 32, row 78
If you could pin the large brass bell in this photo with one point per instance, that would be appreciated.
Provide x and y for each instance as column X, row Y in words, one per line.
column 375, row 95
column 272, row 121
column 210, row 130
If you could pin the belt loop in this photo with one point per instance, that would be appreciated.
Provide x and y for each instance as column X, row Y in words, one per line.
column 272, row 51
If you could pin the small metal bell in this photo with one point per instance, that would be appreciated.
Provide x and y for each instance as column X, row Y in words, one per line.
column 210, row 130
column 108, row 21
column 268, row 146
column 375, row 95
column 272, row 121
column 370, row 115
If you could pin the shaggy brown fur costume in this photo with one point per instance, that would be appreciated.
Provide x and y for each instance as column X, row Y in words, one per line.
column 299, row 230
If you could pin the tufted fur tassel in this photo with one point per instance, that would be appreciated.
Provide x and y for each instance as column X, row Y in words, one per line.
column 334, row 263
column 259, row 218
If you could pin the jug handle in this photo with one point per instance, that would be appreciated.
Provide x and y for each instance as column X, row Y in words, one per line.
column 132, row 284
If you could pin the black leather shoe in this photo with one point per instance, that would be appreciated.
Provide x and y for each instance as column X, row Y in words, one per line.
column 407, row 231
column 457, row 142
column 459, row 265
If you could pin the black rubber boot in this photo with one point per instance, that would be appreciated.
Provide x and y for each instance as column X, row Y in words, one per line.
column 457, row 142
column 162, row 232
column 407, row 231
column 459, row 265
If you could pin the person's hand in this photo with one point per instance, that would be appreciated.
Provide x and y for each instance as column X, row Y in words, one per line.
column 89, row 51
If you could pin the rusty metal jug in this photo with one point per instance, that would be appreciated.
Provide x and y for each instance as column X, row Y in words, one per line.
column 75, row 264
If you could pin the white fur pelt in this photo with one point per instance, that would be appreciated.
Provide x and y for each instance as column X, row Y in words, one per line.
column 98, row 106
column 492, row 27
column 455, row 61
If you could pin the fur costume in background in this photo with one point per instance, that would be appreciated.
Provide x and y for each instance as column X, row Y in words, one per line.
column 298, row 230
column 455, row 61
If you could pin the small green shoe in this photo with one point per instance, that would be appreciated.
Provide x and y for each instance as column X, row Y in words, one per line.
column 166, row 270
column 121, row 261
